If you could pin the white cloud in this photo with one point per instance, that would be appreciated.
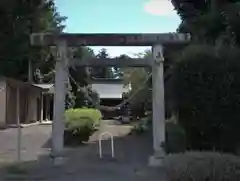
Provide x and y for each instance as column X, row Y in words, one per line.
column 159, row 7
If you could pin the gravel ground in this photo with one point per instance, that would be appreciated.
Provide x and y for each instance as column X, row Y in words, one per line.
column 34, row 142
column 80, row 163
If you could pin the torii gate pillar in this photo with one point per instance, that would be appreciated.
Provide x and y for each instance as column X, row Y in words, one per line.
column 158, row 106
column 61, row 80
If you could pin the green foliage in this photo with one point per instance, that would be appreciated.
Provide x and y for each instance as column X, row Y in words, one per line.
column 75, row 114
column 16, row 169
column 80, row 100
column 142, row 92
column 190, row 9
column 207, row 89
column 70, row 99
column 142, row 125
column 78, row 131
column 80, row 125
column 175, row 137
column 94, row 98
column 81, row 74
column 87, row 98
column 175, row 134
column 18, row 20
column 232, row 22
column 210, row 21
column 202, row 166
column 80, row 77
column 102, row 72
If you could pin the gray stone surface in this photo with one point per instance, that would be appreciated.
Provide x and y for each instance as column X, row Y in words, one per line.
column 81, row 163
column 34, row 142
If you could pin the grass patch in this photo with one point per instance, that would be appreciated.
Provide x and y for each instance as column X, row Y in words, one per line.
column 16, row 169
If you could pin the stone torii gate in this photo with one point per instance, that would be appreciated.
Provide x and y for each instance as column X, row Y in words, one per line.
column 65, row 40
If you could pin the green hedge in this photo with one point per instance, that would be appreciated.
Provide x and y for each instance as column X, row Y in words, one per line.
column 93, row 114
column 202, row 166
column 142, row 125
column 175, row 134
column 175, row 137
column 207, row 89
column 80, row 125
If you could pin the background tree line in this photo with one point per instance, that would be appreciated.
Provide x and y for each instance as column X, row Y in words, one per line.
column 20, row 60
column 205, row 76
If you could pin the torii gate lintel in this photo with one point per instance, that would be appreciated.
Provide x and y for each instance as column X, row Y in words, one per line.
column 109, row 39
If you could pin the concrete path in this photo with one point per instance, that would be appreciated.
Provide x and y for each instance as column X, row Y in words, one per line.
column 83, row 163
column 35, row 141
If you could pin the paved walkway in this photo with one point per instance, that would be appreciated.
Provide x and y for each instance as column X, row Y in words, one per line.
column 83, row 163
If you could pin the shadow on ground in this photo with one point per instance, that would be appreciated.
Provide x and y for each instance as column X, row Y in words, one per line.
column 83, row 163
column 47, row 144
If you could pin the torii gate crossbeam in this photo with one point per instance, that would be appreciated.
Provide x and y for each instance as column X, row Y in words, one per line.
column 112, row 62
column 157, row 41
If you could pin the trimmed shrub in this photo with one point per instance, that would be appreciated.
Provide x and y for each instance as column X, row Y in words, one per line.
column 78, row 131
column 142, row 125
column 207, row 89
column 80, row 125
column 175, row 134
column 202, row 166
column 175, row 137
column 93, row 114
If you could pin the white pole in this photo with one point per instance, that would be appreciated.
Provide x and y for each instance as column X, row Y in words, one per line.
column 112, row 146
column 100, row 143
column 19, row 135
column 47, row 107
column 42, row 106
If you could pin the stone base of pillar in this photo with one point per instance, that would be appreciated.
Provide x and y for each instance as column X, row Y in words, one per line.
column 58, row 161
column 156, row 160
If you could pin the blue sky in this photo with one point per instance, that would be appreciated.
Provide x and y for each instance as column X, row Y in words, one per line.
column 118, row 16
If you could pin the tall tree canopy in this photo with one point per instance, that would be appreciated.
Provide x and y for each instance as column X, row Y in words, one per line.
column 192, row 8
column 102, row 72
column 139, row 80
column 210, row 21
column 18, row 20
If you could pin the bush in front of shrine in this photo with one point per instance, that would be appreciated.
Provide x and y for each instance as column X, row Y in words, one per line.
column 202, row 166
column 91, row 113
column 207, row 90
column 175, row 137
column 80, row 125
